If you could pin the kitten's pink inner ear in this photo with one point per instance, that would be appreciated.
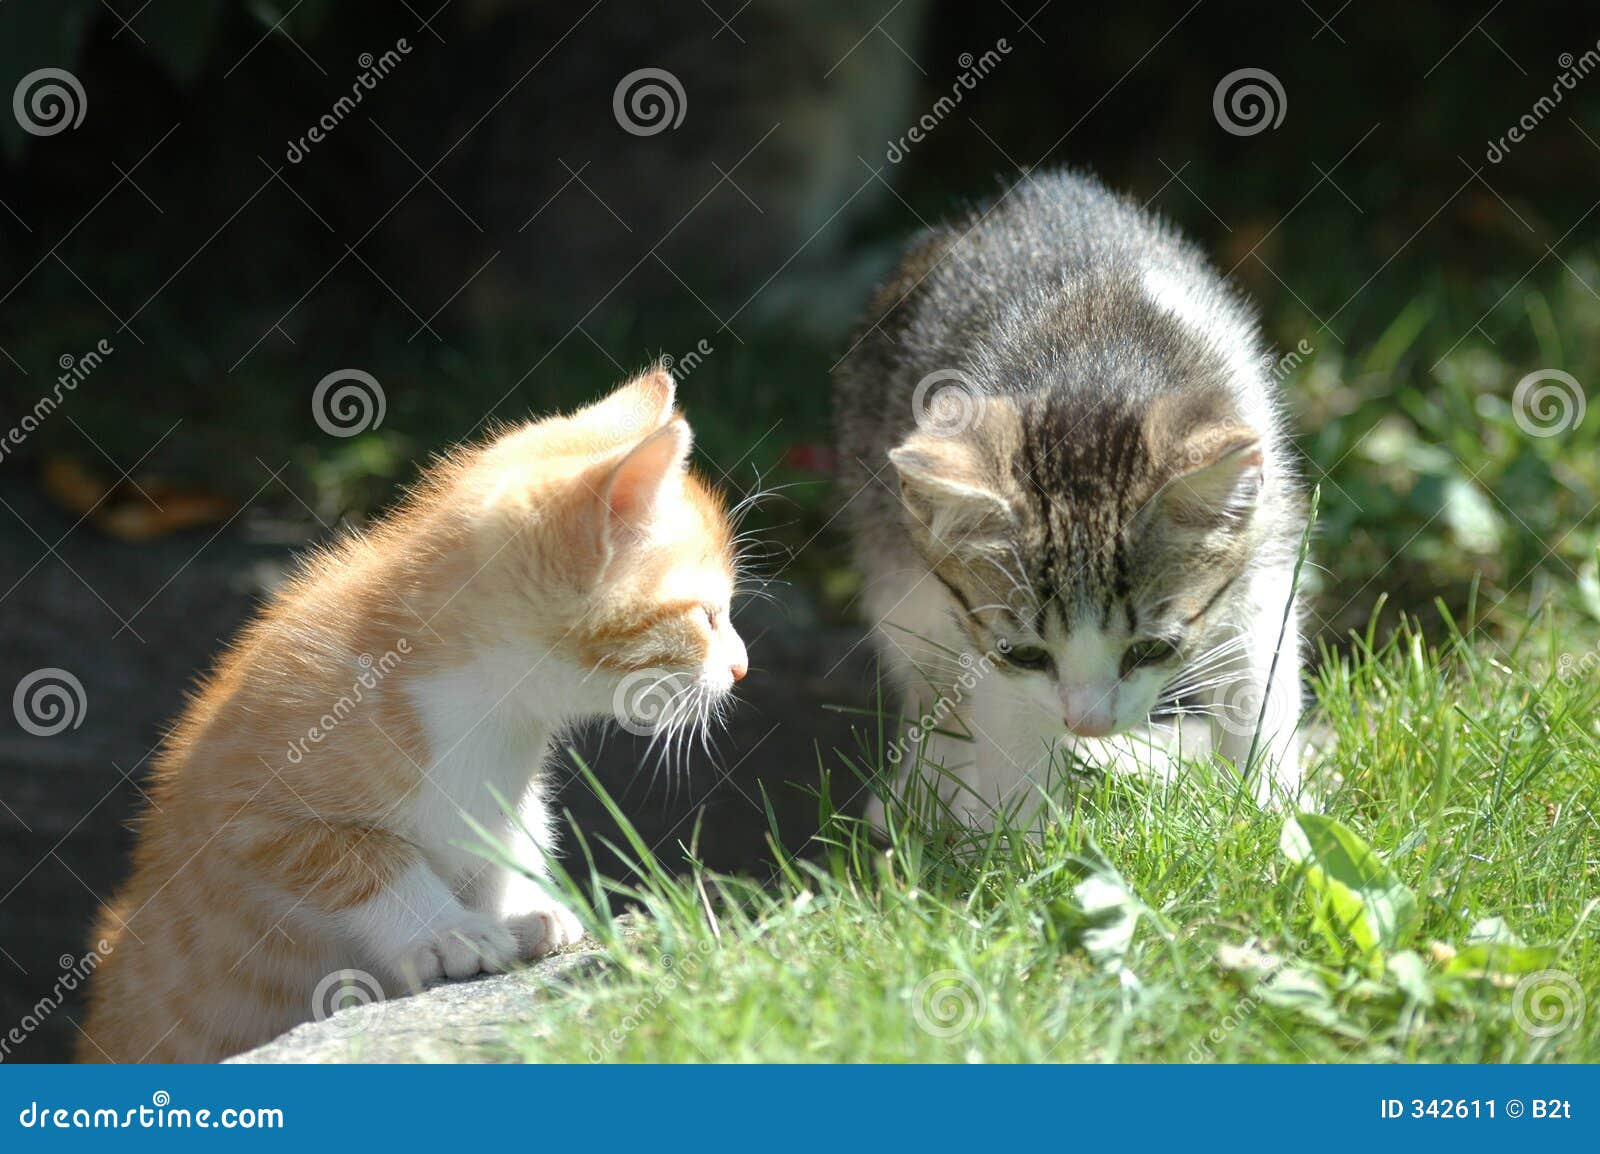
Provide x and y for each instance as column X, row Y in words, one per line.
column 1223, row 479
column 945, row 486
column 635, row 486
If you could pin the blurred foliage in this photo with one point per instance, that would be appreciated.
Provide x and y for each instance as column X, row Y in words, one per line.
column 1428, row 476
column 1368, row 227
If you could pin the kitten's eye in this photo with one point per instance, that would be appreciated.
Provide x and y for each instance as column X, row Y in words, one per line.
column 711, row 615
column 1142, row 653
column 1025, row 656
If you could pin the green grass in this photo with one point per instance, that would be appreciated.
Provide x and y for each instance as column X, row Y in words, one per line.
column 1455, row 591
column 1154, row 922
column 1441, row 905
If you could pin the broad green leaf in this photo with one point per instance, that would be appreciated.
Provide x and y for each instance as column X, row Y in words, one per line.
column 1486, row 958
column 1113, row 913
column 1358, row 896
column 1297, row 988
column 1410, row 973
column 1493, row 930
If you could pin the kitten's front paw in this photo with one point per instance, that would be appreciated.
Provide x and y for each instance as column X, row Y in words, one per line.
column 472, row 944
column 543, row 931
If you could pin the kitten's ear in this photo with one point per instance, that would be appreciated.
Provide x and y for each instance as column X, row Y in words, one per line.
column 631, row 491
column 950, row 489
column 1217, row 478
column 632, row 410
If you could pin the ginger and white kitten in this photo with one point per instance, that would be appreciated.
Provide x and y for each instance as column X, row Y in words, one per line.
column 310, row 811
column 1072, row 497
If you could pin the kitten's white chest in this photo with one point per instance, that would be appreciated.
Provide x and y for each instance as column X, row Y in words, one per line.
column 486, row 737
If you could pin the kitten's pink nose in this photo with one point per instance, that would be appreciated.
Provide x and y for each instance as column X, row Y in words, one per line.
column 1089, row 711
column 739, row 660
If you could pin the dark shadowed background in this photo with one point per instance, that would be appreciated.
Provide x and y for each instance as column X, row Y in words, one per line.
column 200, row 221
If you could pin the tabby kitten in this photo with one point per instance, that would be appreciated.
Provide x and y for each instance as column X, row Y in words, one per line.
column 313, row 809
column 1072, row 498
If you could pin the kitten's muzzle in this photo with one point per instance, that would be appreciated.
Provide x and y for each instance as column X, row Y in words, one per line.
column 1089, row 710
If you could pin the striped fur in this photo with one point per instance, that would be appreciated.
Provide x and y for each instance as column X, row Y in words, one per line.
column 1058, row 443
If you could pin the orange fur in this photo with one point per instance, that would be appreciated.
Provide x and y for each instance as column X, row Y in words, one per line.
column 296, row 795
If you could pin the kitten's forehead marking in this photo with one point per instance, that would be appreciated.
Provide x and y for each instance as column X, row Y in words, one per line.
column 1086, row 472
column 1085, row 572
